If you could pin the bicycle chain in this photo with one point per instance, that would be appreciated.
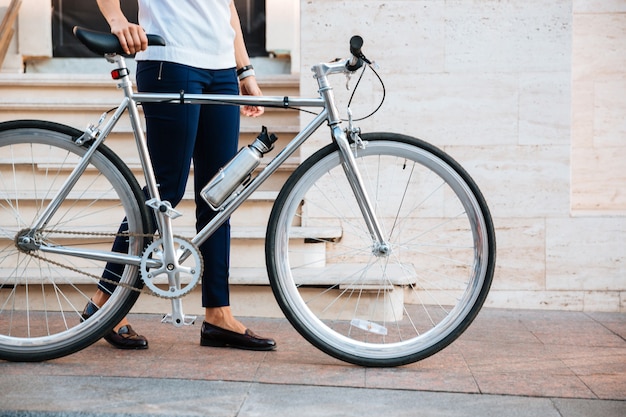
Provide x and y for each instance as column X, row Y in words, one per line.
column 99, row 278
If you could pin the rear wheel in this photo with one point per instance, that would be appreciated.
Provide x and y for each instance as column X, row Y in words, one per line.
column 386, row 306
column 42, row 295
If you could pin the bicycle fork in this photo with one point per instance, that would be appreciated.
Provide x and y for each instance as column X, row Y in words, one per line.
column 380, row 247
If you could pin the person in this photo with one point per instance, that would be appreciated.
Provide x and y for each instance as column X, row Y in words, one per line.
column 204, row 53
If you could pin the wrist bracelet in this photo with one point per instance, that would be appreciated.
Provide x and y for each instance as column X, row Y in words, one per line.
column 245, row 74
column 244, row 69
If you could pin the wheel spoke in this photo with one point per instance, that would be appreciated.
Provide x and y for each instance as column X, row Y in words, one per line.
column 362, row 305
column 42, row 294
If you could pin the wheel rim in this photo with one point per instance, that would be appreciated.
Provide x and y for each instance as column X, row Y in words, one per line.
column 40, row 304
column 402, row 340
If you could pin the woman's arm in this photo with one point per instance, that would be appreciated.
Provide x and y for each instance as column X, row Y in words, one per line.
column 132, row 37
column 248, row 85
column 241, row 53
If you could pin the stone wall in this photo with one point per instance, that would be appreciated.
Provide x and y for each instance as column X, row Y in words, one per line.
column 529, row 96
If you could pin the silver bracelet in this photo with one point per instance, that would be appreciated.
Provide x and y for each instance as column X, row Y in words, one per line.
column 245, row 74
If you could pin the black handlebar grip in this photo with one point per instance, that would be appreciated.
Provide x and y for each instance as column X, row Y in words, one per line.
column 356, row 43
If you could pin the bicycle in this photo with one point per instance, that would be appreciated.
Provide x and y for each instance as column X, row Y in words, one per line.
column 380, row 248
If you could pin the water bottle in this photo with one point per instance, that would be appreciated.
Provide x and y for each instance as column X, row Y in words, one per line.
column 238, row 171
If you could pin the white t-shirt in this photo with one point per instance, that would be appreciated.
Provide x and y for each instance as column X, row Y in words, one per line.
column 197, row 32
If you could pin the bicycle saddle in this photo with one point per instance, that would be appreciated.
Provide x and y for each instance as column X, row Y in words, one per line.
column 106, row 43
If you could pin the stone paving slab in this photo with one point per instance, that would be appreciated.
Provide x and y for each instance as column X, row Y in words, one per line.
column 138, row 397
column 552, row 363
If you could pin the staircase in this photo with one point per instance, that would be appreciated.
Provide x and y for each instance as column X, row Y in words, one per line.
column 78, row 100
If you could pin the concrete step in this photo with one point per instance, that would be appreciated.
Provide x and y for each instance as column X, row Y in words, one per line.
column 328, row 275
column 59, row 89
column 278, row 121
column 247, row 255
column 331, row 274
column 81, row 99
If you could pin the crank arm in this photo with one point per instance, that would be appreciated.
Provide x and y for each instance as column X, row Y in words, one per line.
column 177, row 317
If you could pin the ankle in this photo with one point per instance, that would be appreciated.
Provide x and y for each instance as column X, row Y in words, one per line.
column 222, row 317
column 121, row 324
column 216, row 315
column 99, row 298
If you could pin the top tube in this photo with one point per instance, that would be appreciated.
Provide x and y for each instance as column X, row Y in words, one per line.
column 265, row 101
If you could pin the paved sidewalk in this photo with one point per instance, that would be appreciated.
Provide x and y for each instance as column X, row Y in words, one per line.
column 508, row 363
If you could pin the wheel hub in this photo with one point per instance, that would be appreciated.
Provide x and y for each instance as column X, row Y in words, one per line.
column 381, row 249
column 25, row 241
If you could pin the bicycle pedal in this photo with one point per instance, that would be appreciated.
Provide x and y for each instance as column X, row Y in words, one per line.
column 187, row 320
column 165, row 207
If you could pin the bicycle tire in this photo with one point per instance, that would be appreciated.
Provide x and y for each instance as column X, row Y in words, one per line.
column 374, row 310
column 41, row 302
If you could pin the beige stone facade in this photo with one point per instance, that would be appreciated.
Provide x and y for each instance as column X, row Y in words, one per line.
column 529, row 96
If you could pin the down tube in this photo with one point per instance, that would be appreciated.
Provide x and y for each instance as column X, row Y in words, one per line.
column 278, row 160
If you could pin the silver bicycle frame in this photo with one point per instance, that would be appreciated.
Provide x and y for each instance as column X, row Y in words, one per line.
column 329, row 114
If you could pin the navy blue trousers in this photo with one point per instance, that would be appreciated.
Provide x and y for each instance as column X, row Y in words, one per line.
column 179, row 134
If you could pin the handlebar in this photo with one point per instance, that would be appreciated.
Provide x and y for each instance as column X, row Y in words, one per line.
column 356, row 62
column 340, row 66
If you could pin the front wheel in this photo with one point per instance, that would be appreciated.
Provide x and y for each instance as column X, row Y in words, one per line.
column 376, row 307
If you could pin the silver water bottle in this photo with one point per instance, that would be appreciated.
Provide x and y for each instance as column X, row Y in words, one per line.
column 238, row 171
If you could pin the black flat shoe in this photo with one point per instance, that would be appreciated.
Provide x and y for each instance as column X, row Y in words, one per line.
column 124, row 338
column 211, row 335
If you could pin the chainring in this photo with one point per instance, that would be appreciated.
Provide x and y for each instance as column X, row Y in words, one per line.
column 188, row 271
